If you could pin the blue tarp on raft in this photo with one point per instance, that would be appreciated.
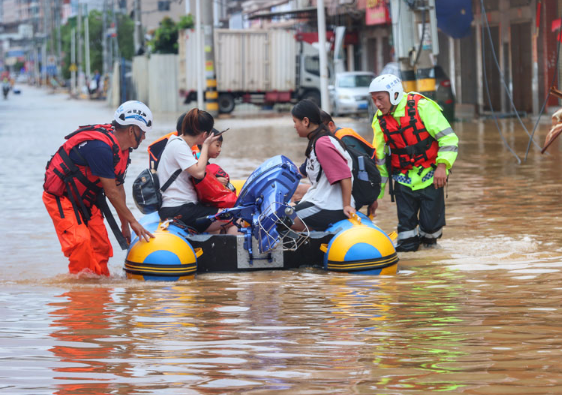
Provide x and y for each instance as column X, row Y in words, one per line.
column 454, row 17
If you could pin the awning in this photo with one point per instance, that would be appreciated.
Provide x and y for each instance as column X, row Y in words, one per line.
column 301, row 13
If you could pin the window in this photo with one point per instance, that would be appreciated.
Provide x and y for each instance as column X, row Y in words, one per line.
column 312, row 65
column 355, row 81
column 164, row 5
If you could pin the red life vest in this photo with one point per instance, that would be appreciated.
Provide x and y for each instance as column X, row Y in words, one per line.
column 410, row 143
column 65, row 178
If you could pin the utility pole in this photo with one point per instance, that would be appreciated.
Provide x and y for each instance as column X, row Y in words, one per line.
column 115, row 34
column 324, row 98
column 87, row 49
column 73, row 63
column 44, row 45
column 79, row 59
column 104, row 38
column 199, row 57
column 211, row 94
column 138, row 36
column 59, row 40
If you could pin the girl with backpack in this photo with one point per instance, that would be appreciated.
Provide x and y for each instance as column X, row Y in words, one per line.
column 180, row 199
column 328, row 168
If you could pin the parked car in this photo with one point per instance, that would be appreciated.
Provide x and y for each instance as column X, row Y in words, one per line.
column 443, row 90
column 350, row 92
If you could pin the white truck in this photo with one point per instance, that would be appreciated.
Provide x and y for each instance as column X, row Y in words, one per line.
column 262, row 67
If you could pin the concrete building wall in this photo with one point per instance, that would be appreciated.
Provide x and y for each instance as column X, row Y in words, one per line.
column 151, row 16
column 163, row 92
column 140, row 78
column 10, row 11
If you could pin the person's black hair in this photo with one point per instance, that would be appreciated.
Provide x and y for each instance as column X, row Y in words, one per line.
column 196, row 122
column 309, row 109
column 117, row 126
column 215, row 132
column 326, row 118
column 180, row 122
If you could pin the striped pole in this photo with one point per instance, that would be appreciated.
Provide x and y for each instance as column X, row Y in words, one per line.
column 211, row 94
column 427, row 37
column 408, row 76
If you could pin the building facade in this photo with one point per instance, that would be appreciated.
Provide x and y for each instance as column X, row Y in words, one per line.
column 519, row 39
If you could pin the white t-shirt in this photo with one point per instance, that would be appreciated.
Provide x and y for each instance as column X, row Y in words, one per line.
column 177, row 155
column 323, row 194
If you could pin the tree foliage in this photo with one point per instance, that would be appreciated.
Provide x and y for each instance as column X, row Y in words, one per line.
column 165, row 38
column 125, row 29
column 186, row 22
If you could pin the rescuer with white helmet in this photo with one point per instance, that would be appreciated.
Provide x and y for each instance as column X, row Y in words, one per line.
column 134, row 112
column 415, row 148
column 87, row 168
column 388, row 83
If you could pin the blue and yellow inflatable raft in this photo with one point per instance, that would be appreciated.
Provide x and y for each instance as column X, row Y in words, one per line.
column 355, row 245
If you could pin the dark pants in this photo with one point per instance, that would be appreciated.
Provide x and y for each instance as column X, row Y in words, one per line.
column 191, row 214
column 423, row 207
column 317, row 219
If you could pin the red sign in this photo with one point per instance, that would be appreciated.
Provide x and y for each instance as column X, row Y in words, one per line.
column 376, row 12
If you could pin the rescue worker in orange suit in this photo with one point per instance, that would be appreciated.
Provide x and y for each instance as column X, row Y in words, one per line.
column 415, row 147
column 87, row 168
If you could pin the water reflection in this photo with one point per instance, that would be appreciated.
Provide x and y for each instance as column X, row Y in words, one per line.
column 84, row 324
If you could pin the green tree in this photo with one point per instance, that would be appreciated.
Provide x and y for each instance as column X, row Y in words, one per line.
column 165, row 39
column 125, row 27
column 186, row 22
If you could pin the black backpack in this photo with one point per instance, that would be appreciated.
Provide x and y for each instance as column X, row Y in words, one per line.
column 366, row 177
column 147, row 192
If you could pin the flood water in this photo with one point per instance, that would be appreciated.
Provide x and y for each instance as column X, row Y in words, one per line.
column 481, row 314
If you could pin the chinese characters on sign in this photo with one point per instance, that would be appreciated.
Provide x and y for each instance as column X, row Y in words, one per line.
column 376, row 12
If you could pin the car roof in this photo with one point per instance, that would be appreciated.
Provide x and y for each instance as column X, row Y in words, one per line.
column 356, row 73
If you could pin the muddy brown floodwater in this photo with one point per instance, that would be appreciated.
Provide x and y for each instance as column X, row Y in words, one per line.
column 480, row 314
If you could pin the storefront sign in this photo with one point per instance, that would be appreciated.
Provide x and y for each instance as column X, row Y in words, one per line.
column 376, row 12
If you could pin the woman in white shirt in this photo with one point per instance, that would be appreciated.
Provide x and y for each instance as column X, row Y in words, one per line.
column 328, row 167
column 180, row 200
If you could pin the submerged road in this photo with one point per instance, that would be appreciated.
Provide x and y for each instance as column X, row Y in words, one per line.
column 480, row 314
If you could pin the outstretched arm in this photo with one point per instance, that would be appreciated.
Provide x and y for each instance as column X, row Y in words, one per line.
column 117, row 199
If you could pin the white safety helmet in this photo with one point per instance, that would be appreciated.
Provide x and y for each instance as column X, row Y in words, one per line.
column 388, row 83
column 134, row 112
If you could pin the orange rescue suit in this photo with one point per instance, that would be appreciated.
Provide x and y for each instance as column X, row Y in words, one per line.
column 70, row 196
